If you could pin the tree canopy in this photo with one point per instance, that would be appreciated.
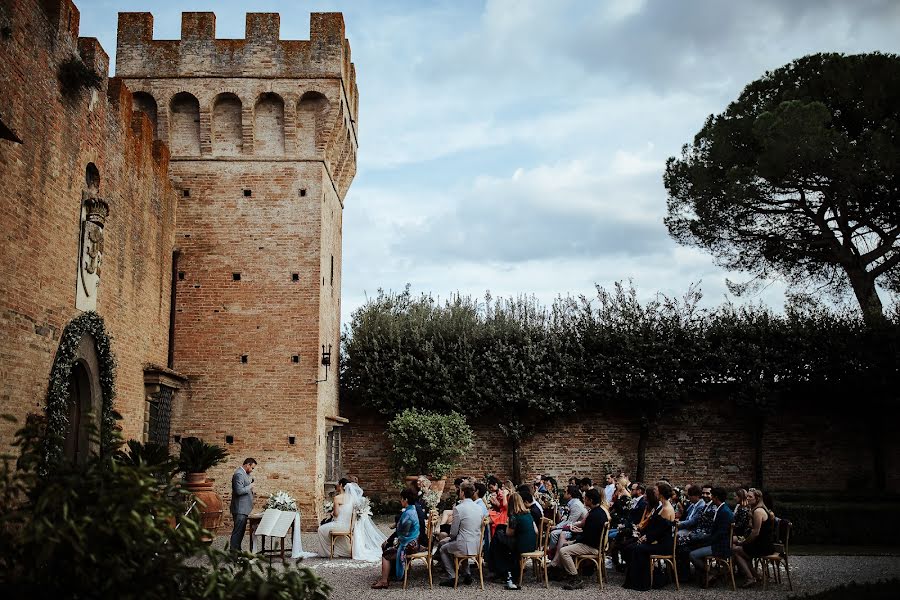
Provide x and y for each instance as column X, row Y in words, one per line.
column 800, row 177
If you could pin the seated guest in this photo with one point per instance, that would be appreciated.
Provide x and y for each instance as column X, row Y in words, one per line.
column 625, row 527
column 447, row 515
column 619, row 510
column 585, row 483
column 610, row 488
column 655, row 538
column 742, row 526
column 574, row 480
column 759, row 542
column 405, row 540
column 697, row 522
column 481, row 492
column 588, row 539
column 534, row 507
column 695, row 507
column 518, row 537
column 497, row 504
column 576, row 513
column 465, row 534
column 719, row 544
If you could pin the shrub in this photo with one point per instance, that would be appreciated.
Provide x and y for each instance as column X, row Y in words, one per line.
column 428, row 443
column 75, row 76
column 198, row 457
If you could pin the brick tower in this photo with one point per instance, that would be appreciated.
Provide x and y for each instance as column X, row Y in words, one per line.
column 262, row 135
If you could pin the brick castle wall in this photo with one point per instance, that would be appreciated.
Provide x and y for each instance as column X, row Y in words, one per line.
column 705, row 442
column 44, row 177
column 263, row 140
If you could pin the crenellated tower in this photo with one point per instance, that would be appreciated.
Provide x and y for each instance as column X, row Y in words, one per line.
column 262, row 134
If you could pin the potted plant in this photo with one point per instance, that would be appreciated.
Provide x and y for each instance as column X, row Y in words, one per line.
column 428, row 443
column 197, row 457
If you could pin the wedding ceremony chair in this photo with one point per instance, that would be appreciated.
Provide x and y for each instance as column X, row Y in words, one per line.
column 477, row 557
column 335, row 535
column 538, row 558
column 722, row 561
column 427, row 557
column 779, row 557
column 667, row 560
column 598, row 559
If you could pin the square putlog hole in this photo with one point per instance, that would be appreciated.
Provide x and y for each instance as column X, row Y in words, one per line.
column 295, row 276
column 244, row 358
column 295, row 359
column 302, row 192
column 180, row 275
column 235, row 276
column 248, row 193
column 185, row 193
column 229, row 439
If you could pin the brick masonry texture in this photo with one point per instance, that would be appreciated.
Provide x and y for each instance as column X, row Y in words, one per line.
column 707, row 441
column 233, row 157
column 43, row 179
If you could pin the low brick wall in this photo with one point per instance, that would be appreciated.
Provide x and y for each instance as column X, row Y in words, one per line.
column 706, row 441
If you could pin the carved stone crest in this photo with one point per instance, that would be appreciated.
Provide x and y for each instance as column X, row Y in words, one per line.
column 94, row 212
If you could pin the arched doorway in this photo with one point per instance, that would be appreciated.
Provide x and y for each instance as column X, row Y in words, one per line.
column 77, row 444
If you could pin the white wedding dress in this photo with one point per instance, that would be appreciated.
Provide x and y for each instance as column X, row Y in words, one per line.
column 367, row 538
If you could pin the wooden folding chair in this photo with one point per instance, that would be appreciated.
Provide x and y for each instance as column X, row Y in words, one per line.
column 538, row 558
column 347, row 534
column 779, row 557
column 477, row 557
column 727, row 562
column 666, row 559
column 426, row 557
column 600, row 558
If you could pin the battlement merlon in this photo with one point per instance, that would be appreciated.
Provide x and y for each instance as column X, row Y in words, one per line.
column 262, row 53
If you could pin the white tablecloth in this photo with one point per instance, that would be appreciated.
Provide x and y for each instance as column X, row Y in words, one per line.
column 278, row 516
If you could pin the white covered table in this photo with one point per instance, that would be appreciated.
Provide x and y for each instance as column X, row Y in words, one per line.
column 276, row 524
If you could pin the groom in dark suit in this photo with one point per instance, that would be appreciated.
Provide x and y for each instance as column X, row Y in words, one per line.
column 241, row 501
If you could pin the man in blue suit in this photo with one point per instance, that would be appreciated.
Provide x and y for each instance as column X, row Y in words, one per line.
column 719, row 542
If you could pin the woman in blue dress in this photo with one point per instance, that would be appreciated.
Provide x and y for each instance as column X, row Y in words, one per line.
column 406, row 541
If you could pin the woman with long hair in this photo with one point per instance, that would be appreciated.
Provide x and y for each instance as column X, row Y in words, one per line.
column 655, row 537
column 759, row 542
column 520, row 536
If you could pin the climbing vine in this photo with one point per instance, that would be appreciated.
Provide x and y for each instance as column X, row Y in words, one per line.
column 58, row 392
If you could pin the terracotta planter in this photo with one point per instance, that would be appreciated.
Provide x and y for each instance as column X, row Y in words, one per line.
column 438, row 485
column 209, row 503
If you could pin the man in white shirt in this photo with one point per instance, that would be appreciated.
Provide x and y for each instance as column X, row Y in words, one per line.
column 610, row 488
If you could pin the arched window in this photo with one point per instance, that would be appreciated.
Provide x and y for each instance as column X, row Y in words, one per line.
column 92, row 178
column 312, row 112
column 227, row 134
column 145, row 103
column 184, row 125
column 268, row 125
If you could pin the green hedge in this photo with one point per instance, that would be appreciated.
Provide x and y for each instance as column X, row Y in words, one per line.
column 881, row 590
column 842, row 523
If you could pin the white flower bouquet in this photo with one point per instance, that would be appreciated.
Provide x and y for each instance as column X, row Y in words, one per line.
column 364, row 508
column 424, row 484
column 328, row 507
column 281, row 500
column 431, row 499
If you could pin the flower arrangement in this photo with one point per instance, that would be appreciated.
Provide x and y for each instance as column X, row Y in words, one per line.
column 431, row 499
column 364, row 508
column 424, row 484
column 328, row 507
column 281, row 500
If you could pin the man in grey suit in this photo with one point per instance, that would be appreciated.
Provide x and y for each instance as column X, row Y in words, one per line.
column 465, row 534
column 241, row 501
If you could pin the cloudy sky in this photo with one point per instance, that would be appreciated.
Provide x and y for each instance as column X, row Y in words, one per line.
column 518, row 146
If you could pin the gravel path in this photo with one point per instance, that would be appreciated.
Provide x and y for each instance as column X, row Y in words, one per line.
column 351, row 579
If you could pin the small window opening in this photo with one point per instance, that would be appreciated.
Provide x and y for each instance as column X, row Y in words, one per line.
column 295, row 359
column 236, row 276
column 185, row 193
column 244, row 358
column 295, row 276
column 180, row 275
column 229, row 439
column 302, row 192
column 248, row 193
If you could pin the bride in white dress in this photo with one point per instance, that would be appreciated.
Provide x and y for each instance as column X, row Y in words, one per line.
column 367, row 538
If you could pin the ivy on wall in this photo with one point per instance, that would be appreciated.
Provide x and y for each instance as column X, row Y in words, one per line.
column 89, row 323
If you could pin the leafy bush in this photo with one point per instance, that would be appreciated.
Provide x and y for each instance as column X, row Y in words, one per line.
column 428, row 443
column 844, row 523
column 153, row 456
column 198, row 457
column 75, row 76
column 103, row 529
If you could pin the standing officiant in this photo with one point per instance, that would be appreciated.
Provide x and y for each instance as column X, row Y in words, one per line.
column 241, row 501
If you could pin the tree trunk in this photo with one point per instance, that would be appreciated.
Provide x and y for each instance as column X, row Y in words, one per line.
column 516, row 462
column 759, row 428
column 867, row 295
column 642, row 450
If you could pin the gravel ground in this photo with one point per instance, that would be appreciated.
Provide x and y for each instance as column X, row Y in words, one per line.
column 351, row 579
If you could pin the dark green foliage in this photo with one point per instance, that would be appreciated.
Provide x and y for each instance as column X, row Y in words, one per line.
column 104, row 529
column 880, row 590
column 427, row 442
column 153, row 456
column 75, row 76
column 197, row 456
column 89, row 323
column 800, row 177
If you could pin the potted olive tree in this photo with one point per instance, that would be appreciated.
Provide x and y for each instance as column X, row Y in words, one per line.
column 195, row 459
column 428, row 443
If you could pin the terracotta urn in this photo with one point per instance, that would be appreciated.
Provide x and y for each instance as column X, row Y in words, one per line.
column 438, row 485
column 209, row 503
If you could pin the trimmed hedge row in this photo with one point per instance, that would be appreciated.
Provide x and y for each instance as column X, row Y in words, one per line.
column 844, row 523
